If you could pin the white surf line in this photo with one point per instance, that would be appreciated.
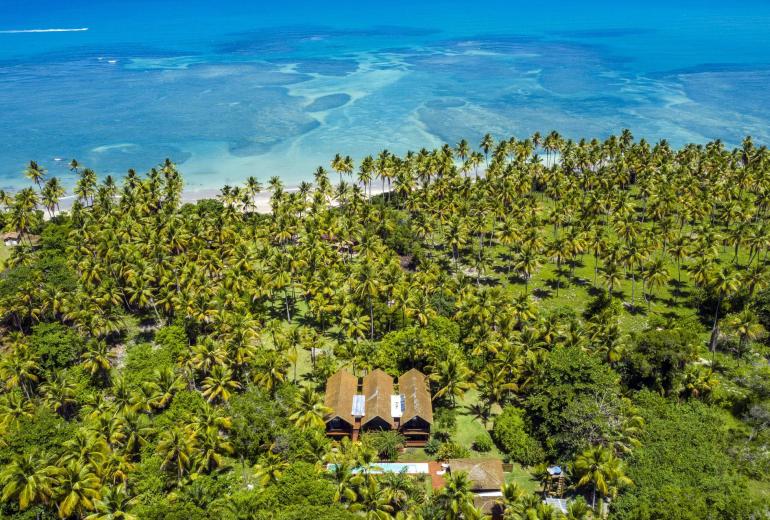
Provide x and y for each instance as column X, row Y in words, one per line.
column 26, row 31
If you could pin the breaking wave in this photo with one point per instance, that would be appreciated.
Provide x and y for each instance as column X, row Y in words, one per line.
column 23, row 31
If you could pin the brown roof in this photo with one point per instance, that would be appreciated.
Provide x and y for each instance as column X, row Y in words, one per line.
column 414, row 386
column 340, row 389
column 486, row 474
column 11, row 235
column 378, row 387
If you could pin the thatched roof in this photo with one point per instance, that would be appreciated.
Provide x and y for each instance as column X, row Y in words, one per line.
column 486, row 474
column 340, row 389
column 378, row 387
column 414, row 386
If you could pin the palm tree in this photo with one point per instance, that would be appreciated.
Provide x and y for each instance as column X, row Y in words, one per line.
column 219, row 384
column 270, row 468
column 611, row 274
column 368, row 287
column 309, row 410
column 655, row 276
column 578, row 510
column 176, row 447
column 456, row 498
column 372, row 500
column 26, row 479
column 271, row 371
column 77, row 488
column 113, row 504
column 598, row 468
column 746, row 326
column 698, row 381
column 34, row 173
column 724, row 283
column 20, row 369
column 452, row 377
column 51, row 193
column 96, row 360
column 487, row 142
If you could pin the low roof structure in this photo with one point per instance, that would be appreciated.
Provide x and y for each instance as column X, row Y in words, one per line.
column 485, row 474
column 340, row 389
column 413, row 385
column 11, row 235
column 559, row 504
column 378, row 387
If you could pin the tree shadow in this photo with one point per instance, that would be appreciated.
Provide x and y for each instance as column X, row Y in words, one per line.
column 635, row 310
column 582, row 282
column 678, row 290
column 516, row 278
column 595, row 291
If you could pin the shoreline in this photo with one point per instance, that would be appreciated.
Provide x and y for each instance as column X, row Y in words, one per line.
column 261, row 199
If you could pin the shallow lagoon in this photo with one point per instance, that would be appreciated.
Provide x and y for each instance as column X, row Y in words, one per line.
column 229, row 90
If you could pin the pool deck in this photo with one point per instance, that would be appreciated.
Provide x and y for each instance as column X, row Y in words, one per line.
column 431, row 468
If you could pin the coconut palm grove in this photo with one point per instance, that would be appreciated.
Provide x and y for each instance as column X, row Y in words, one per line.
column 591, row 313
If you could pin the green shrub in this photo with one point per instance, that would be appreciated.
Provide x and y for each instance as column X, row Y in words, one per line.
column 510, row 434
column 58, row 346
column 142, row 361
column 452, row 450
column 173, row 340
column 482, row 443
column 432, row 446
column 445, row 420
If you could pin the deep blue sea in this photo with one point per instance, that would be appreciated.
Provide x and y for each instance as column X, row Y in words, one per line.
column 232, row 88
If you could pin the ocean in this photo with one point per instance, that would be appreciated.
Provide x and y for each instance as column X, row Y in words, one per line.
column 229, row 89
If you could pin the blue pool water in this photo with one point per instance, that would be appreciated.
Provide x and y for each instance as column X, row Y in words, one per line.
column 231, row 88
column 410, row 468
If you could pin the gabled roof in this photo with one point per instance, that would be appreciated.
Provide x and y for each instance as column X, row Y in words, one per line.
column 340, row 389
column 414, row 386
column 485, row 474
column 378, row 387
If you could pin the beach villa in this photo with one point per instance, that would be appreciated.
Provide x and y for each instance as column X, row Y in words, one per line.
column 375, row 403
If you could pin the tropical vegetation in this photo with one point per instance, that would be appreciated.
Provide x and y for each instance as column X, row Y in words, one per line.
column 601, row 305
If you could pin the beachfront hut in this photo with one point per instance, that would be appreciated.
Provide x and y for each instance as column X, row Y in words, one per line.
column 11, row 239
column 417, row 408
column 340, row 393
column 378, row 390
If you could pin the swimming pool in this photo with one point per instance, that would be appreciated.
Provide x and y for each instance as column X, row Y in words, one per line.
column 410, row 468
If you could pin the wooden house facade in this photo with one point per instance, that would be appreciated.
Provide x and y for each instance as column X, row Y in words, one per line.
column 375, row 403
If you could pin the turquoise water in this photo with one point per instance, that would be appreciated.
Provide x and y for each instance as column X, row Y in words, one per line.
column 229, row 90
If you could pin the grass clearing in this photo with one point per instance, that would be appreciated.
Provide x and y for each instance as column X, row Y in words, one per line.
column 5, row 253
column 523, row 478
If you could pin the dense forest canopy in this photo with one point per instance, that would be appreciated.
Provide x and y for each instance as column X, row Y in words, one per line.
column 600, row 305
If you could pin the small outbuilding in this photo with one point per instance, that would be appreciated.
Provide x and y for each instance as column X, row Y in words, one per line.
column 487, row 480
column 11, row 239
